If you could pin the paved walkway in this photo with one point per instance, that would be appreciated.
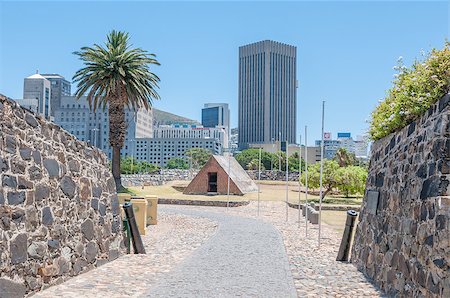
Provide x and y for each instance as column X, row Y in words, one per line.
column 212, row 252
column 245, row 257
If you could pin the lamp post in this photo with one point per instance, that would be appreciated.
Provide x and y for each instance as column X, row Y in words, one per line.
column 306, row 180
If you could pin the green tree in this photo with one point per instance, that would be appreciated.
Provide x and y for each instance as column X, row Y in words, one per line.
column 246, row 156
column 329, row 180
column 129, row 165
column 293, row 163
column 351, row 180
column 254, row 165
column 146, row 167
column 198, row 157
column 344, row 158
column 116, row 76
column 177, row 163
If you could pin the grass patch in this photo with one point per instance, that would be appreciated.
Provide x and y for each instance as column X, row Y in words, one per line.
column 268, row 192
column 127, row 191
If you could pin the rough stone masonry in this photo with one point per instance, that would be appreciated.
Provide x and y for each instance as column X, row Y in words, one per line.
column 59, row 214
column 402, row 241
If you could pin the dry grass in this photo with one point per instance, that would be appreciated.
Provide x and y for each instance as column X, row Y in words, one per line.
column 269, row 191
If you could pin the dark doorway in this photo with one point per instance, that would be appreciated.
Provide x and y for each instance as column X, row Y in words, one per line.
column 212, row 182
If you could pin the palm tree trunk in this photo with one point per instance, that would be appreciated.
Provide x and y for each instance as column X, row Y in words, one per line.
column 117, row 133
column 116, row 167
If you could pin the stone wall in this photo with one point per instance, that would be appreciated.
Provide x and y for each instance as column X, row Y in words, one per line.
column 59, row 214
column 159, row 178
column 402, row 241
column 273, row 175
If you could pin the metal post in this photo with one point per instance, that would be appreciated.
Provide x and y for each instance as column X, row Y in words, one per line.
column 138, row 246
column 228, row 185
column 287, row 180
column 279, row 155
column 344, row 249
column 321, row 173
column 299, row 177
column 271, row 157
column 306, row 179
column 259, row 177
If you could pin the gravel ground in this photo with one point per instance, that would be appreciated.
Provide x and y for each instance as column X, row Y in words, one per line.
column 167, row 244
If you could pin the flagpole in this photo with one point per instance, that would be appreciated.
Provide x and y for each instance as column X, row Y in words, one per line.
column 306, row 180
column 321, row 173
column 259, row 176
column 299, row 177
column 228, row 184
column 287, row 179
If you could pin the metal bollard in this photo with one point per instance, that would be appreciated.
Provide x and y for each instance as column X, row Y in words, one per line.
column 344, row 249
column 138, row 246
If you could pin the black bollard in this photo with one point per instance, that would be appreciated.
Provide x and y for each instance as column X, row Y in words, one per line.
column 138, row 246
column 344, row 249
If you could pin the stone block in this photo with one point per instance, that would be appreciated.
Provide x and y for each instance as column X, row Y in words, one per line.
column 68, row 186
column 9, row 181
column 31, row 120
column 11, row 289
column 47, row 216
column 18, row 248
column 35, row 173
column 87, row 229
column 52, row 167
column 37, row 250
column 16, row 197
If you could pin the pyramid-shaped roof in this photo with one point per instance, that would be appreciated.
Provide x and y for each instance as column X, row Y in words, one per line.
column 224, row 166
column 236, row 173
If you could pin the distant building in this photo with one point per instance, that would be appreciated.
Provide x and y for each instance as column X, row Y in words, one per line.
column 267, row 93
column 313, row 152
column 193, row 132
column 216, row 114
column 30, row 104
column 59, row 87
column 75, row 116
column 361, row 147
column 344, row 140
column 39, row 88
column 159, row 151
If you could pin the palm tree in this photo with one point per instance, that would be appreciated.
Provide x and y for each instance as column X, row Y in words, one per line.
column 344, row 157
column 116, row 76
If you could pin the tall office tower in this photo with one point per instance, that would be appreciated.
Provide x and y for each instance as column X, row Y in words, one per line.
column 38, row 88
column 267, row 93
column 59, row 87
column 216, row 114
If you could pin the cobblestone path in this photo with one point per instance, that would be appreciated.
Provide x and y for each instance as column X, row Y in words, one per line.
column 167, row 245
column 245, row 257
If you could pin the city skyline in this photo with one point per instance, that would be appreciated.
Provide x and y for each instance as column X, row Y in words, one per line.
column 349, row 66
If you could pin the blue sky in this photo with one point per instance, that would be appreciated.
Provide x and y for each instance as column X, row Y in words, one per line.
column 346, row 50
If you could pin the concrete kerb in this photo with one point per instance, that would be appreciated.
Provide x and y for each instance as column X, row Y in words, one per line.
column 202, row 203
column 357, row 208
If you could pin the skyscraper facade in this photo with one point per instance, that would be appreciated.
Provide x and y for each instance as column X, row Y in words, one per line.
column 216, row 114
column 267, row 93
column 59, row 87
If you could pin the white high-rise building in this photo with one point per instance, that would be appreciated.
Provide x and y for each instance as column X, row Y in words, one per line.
column 267, row 93
column 36, row 87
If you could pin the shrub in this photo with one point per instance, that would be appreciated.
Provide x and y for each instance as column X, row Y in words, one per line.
column 413, row 91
